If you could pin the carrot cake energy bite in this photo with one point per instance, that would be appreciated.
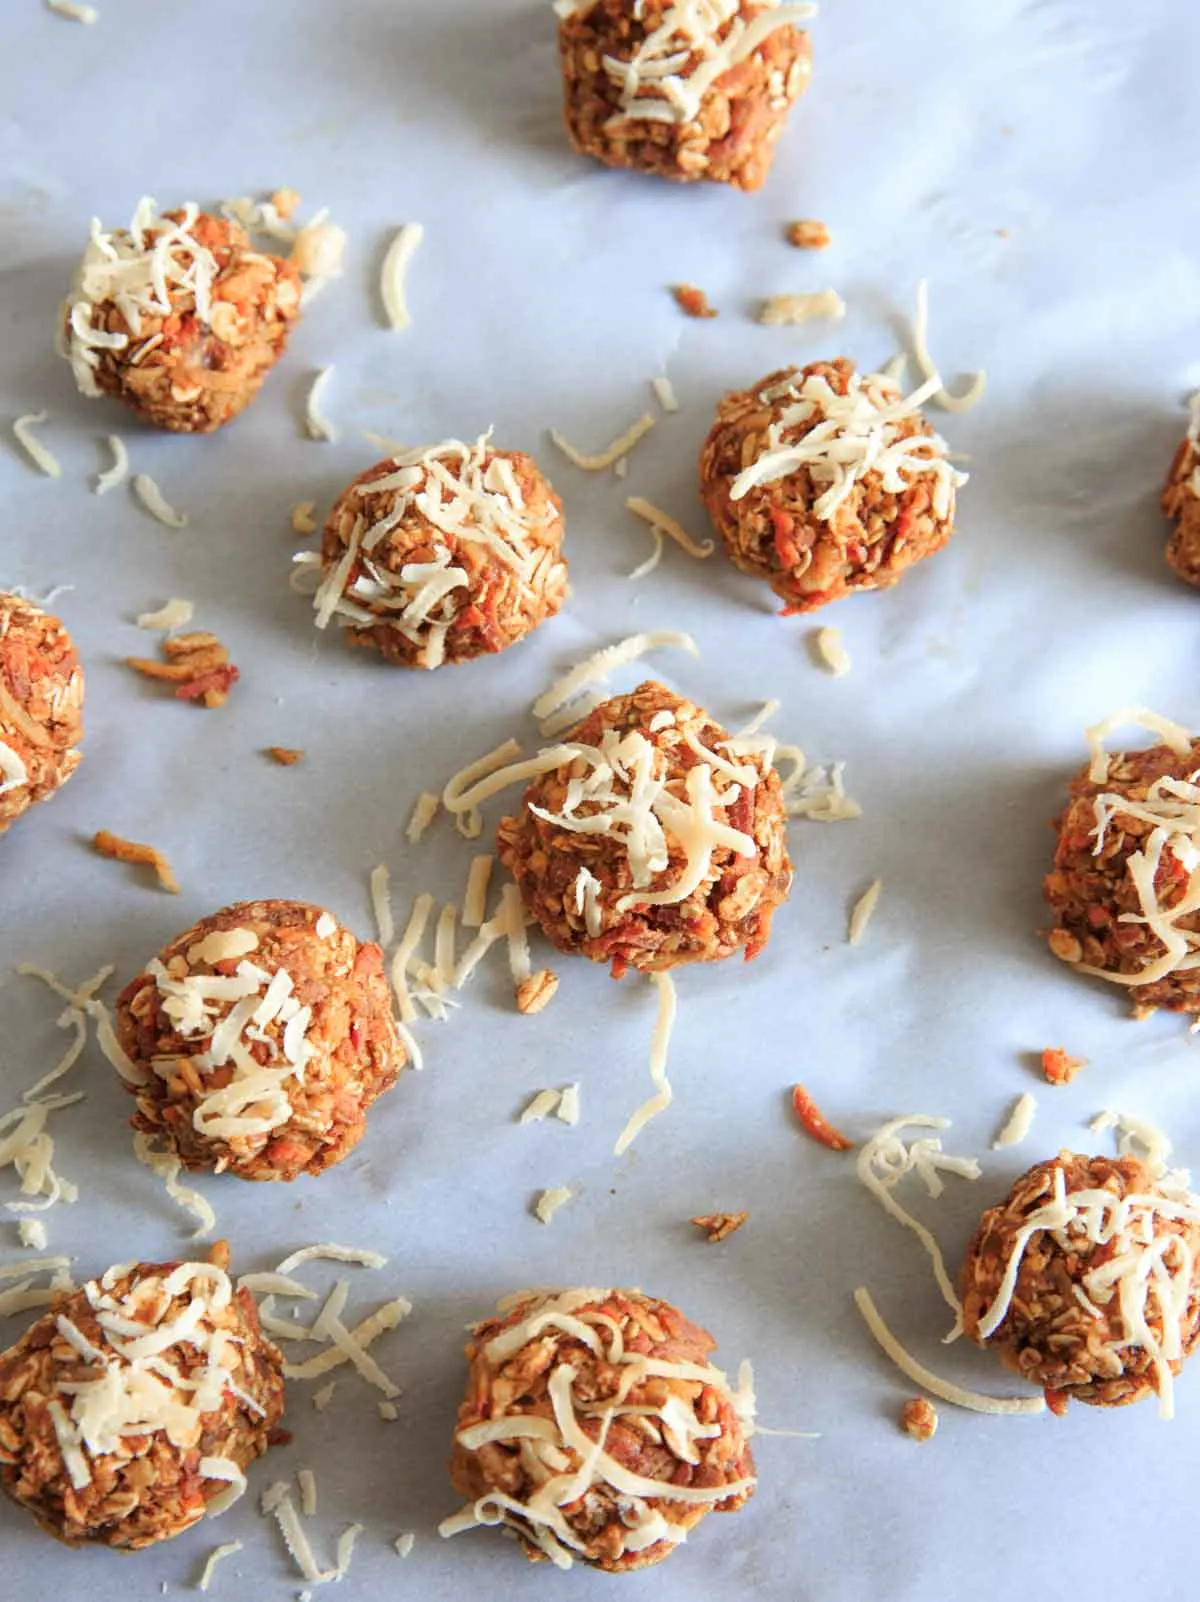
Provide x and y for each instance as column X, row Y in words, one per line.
column 443, row 554
column 648, row 839
column 134, row 1406
column 595, row 1426
column 179, row 317
column 1125, row 886
column 258, row 1040
column 1181, row 501
column 41, row 700
column 1086, row 1280
column 686, row 90
column 823, row 481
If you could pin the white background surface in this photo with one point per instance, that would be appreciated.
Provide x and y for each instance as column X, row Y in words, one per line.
column 540, row 299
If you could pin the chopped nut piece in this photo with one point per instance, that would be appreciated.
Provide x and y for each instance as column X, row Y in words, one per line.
column 537, row 992
column 1065, row 946
column 814, row 1123
column 197, row 663
column 285, row 755
column 919, row 1419
column 692, row 301
column 808, row 234
column 718, row 1226
column 1058, row 1068
column 118, row 850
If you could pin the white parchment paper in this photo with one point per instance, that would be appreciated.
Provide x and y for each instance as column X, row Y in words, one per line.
column 1034, row 161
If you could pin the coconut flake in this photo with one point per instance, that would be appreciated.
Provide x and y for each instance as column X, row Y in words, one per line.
column 784, row 310
column 394, row 275
column 620, row 447
column 156, row 503
column 662, row 523
column 44, row 460
column 928, row 368
column 600, row 667
column 217, row 1555
column 1018, row 1123
column 176, row 614
column 317, row 426
column 115, row 474
column 74, row 11
column 549, row 1202
column 863, row 911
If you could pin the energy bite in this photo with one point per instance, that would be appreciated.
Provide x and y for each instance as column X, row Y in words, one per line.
column 595, row 1426
column 443, row 554
column 1086, row 1280
column 1181, row 502
column 258, row 1039
column 134, row 1406
column 650, row 840
column 1125, row 886
column 698, row 89
column 41, row 701
column 179, row 317
column 824, row 481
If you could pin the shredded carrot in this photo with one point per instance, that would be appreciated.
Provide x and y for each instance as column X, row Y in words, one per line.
column 1056, row 1401
column 814, row 1123
column 1058, row 1068
column 119, row 850
column 692, row 301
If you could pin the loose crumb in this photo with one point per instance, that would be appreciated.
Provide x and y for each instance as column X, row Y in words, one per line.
column 303, row 521
column 692, row 301
column 919, row 1419
column 814, row 1123
column 809, row 233
column 119, row 850
column 719, row 1226
column 286, row 756
column 1058, row 1068
column 197, row 664
column 780, row 311
column 537, row 992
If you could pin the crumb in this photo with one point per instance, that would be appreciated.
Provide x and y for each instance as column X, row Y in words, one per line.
column 197, row 664
column 119, row 850
column 692, row 301
column 1003, row 233
column 303, row 521
column 808, row 234
column 919, row 1419
column 814, row 1123
column 285, row 755
column 1058, row 1068
column 537, row 992
column 285, row 202
column 719, row 1226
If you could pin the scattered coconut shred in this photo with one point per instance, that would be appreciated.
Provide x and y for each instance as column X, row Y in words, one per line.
column 156, row 503
column 74, row 11
column 549, row 1202
column 216, row 1556
column 661, row 523
column 779, row 311
column 176, row 614
column 664, row 393
column 42, row 458
column 831, row 652
column 316, row 425
column 863, row 911
column 928, row 368
column 1018, row 1123
column 394, row 275
column 114, row 475
column 619, row 448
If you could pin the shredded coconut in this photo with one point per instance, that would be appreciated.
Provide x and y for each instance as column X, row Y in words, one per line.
column 781, row 310
column 115, row 474
column 156, row 503
column 600, row 667
column 659, row 1050
column 44, row 460
column 1018, row 1123
column 619, row 448
column 832, row 651
column 74, row 10
column 318, row 426
column 664, row 393
column 394, row 276
column 928, row 368
column 863, row 911
column 549, row 1202
column 217, row 1555
column 176, row 614
column 662, row 523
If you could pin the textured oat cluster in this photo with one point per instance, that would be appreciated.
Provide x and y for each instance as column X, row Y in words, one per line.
column 328, row 1061
column 144, row 1486
column 192, row 363
column 457, row 554
column 774, row 530
column 1080, row 1348
column 602, row 915
column 1093, row 894
column 1181, row 503
column 727, row 133
column 41, row 701
column 680, row 1430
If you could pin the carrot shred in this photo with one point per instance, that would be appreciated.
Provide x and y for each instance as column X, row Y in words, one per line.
column 815, row 1124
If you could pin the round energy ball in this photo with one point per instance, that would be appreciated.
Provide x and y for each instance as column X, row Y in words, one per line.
column 1086, row 1280
column 41, row 701
column 1128, row 849
column 680, row 92
column 544, row 1375
column 443, row 555
column 179, row 317
column 124, row 1439
column 824, row 481
column 649, row 841
column 258, row 1039
column 1181, row 503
